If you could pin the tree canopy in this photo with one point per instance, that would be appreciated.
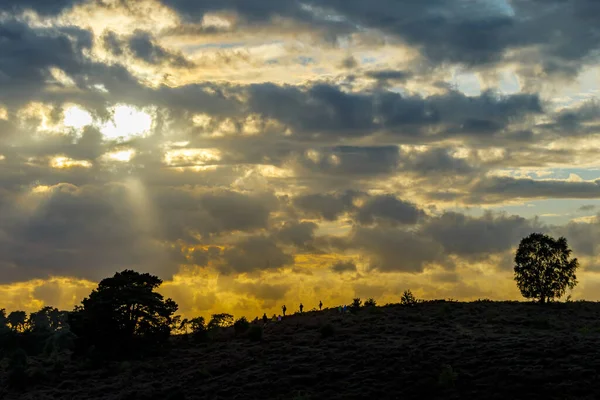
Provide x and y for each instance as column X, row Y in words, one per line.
column 125, row 308
column 543, row 269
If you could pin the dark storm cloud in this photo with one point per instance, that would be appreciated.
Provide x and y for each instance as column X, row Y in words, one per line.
column 326, row 206
column 385, row 209
column 255, row 253
column 322, row 111
column 212, row 212
column 390, row 75
column 579, row 121
column 27, row 54
column 87, row 232
column 263, row 291
column 444, row 31
column 112, row 43
column 144, row 47
column 201, row 257
column 395, row 250
column 388, row 209
column 317, row 109
column 582, row 237
column 42, row 7
column 436, row 161
column 468, row 236
column 351, row 160
column 341, row 267
column 300, row 234
column 498, row 189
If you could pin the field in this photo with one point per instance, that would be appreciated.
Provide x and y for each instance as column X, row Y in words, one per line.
column 443, row 350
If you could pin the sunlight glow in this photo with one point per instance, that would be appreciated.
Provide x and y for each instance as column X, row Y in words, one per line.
column 3, row 113
column 76, row 117
column 66, row 162
column 191, row 157
column 121, row 155
column 127, row 122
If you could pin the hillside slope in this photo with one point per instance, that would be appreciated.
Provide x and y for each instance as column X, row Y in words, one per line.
column 478, row 350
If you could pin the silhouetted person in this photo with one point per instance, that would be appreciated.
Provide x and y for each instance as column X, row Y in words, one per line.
column 284, row 309
column 265, row 318
column 320, row 305
column 301, row 307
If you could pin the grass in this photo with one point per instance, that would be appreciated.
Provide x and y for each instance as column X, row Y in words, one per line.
column 437, row 350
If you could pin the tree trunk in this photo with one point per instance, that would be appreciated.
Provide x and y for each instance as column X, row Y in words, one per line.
column 543, row 299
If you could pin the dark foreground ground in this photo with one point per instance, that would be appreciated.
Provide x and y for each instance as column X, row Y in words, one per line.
column 437, row 350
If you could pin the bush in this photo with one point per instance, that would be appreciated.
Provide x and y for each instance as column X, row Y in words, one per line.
column 327, row 331
column 241, row 326
column 370, row 302
column 255, row 333
column 356, row 303
column 408, row 299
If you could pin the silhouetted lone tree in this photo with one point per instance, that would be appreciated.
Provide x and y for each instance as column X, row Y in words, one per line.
column 543, row 269
column 125, row 313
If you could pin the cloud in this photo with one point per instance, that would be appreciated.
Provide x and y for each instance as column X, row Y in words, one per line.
column 42, row 7
column 341, row 267
column 388, row 209
column 86, row 232
column 498, row 189
column 27, row 54
column 326, row 206
column 299, row 234
column 144, row 47
column 254, row 253
column 469, row 237
column 395, row 250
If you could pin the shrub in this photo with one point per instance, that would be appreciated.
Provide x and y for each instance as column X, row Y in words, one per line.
column 370, row 302
column 408, row 299
column 327, row 331
column 241, row 326
column 255, row 333
column 356, row 303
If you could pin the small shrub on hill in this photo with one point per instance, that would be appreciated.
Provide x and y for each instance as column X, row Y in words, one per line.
column 370, row 302
column 241, row 326
column 356, row 303
column 408, row 299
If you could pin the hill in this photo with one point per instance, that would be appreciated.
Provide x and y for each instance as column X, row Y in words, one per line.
column 443, row 350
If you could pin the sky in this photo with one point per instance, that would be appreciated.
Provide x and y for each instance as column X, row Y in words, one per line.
column 255, row 153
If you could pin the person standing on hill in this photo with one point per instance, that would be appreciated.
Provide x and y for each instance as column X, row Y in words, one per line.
column 301, row 308
column 265, row 318
column 284, row 309
column 320, row 305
